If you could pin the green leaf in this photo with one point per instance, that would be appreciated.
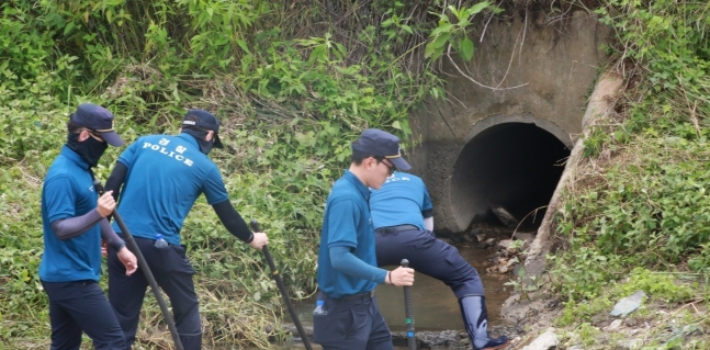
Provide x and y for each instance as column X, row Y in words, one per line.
column 455, row 11
column 477, row 8
column 441, row 29
column 243, row 45
column 441, row 40
column 466, row 49
column 397, row 125
column 68, row 28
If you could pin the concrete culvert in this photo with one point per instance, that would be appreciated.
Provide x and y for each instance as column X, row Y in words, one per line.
column 510, row 163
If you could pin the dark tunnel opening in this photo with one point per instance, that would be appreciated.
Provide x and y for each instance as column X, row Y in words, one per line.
column 512, row 165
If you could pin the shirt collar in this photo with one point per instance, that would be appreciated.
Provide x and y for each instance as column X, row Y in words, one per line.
column 364, row 191
column 74, row 157
column 190, row 139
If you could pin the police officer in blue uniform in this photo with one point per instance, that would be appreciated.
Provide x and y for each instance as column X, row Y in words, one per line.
column 404, row 224
column 162, row 176
column 74, row 223
column 347, row 316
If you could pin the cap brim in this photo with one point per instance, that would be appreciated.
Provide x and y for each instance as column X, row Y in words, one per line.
column 400, row 163
column 217, row 142
column 112, row 138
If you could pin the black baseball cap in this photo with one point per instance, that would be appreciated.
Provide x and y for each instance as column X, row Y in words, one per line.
column 98, row 119
column 380, row 143
column 203, row 120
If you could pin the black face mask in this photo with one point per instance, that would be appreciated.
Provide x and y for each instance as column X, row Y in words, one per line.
column 205, row 146
column 90, row 150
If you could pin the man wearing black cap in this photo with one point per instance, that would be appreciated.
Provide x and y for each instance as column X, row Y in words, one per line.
column 74, row 222
column 163, row 176
column 347, row 316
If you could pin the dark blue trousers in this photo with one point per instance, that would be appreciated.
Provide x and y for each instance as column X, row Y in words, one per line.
column 173, row 273
column 430, row 256
column 81, row 306
column 354, row 324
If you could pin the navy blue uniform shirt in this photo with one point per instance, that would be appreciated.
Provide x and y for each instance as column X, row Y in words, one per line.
column 166, row 174
column 347, row 223
column 68, row 191
column 400, row 201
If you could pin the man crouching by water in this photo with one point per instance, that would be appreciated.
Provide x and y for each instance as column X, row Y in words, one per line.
column 347, row 316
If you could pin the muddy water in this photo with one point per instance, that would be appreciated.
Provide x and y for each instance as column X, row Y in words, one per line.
column 435, row 307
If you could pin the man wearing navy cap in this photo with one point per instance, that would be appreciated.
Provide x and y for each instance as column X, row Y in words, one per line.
column 404, row 224
column 74, row 223
column 347, row 316
column 163, row 176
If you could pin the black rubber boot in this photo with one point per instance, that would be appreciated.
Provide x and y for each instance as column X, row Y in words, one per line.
column 475, row 318
column 191, row 342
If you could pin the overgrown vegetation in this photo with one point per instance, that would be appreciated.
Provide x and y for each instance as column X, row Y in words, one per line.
column 640, row 197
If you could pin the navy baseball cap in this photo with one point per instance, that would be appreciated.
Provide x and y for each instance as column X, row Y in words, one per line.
column 98, row 119
column 380, row 143
column 203, row 120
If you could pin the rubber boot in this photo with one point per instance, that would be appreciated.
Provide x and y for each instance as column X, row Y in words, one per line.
column 191, row 342
column 475, row 318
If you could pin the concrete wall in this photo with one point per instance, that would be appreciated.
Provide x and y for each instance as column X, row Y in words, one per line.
column 558, row 62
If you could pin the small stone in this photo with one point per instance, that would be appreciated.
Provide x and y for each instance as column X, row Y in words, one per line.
column 545, row 341
column 526, row 237
column 480, row 237
column 511, row 262
column 488, row 243
column 504, row 243
column 613, row 326
column 631, row 322
column 630, row 344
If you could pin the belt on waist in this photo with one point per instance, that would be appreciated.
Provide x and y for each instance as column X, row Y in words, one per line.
column 396, row 229
column 361, row 296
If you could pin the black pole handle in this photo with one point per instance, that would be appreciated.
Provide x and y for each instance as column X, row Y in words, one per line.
column 409, row 320
column 145, row 269
column 282, row 288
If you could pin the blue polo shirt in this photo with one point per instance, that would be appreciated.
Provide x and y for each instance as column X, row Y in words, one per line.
column 68, row 191
column 400, row 201
column 346, row 223
column 166, row 174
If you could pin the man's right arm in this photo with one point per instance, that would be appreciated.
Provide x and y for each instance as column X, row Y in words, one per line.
column 60, row 205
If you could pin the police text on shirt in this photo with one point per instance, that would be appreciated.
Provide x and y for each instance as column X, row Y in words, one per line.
column 176, row 154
